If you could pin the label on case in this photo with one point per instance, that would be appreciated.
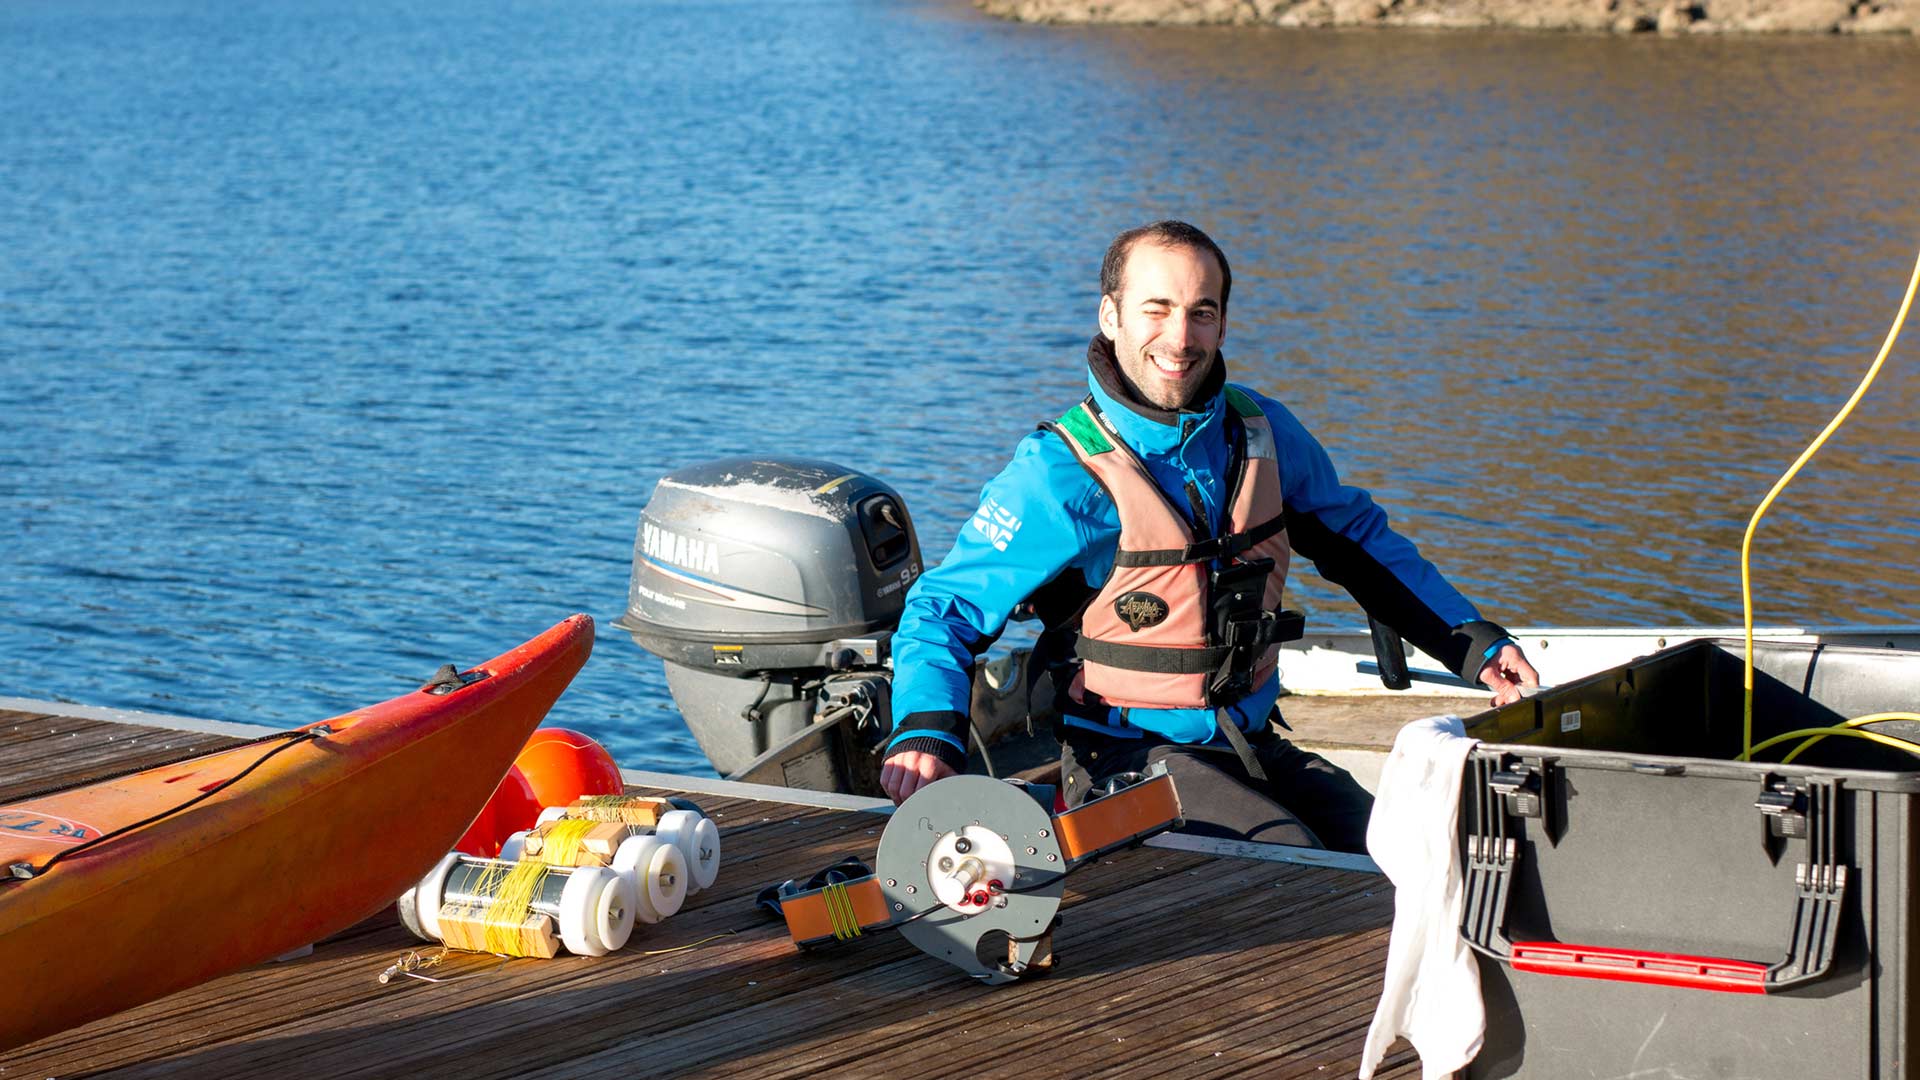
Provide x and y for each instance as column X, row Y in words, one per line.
column 1570, row 720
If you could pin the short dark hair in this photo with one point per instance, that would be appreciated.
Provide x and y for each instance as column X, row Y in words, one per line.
column 1176, row 234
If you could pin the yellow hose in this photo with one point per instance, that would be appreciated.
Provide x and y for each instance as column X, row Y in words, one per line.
column 1746, row 542
column 1858, row 721
column 1850, row 728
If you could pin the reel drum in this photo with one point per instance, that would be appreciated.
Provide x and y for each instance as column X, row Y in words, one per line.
column 959, row 875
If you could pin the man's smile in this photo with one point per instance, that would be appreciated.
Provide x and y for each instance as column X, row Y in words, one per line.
column 1175, row 367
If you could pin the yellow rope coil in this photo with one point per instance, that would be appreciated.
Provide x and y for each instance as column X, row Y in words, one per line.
column 506, row 926
column 507, row 915
column 560, row 841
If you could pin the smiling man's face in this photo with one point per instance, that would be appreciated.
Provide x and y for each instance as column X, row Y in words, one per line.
column 1167, row 323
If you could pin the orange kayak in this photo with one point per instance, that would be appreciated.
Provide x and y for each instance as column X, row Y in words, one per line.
column 238, row 856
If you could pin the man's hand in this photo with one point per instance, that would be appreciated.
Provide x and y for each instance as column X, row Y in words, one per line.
column 910, row 770
column 1507, row 673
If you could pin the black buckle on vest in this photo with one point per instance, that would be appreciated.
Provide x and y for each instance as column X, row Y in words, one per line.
column 1236, row 597
column 1220, row 547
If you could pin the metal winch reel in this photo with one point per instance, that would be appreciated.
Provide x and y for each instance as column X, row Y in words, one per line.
column 986, row 856
column 970, row 858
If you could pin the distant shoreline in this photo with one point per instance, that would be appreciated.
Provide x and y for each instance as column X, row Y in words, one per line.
column 1670, row 17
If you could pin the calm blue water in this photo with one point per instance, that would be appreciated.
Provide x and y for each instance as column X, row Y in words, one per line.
column 343, row 339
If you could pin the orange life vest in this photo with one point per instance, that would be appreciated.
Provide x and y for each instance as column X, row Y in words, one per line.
column 1184, row 621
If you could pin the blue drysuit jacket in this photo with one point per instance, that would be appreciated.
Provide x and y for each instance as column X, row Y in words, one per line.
column 1045, row 516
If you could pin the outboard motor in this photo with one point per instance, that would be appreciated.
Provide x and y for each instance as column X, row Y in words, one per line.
column 770, row 586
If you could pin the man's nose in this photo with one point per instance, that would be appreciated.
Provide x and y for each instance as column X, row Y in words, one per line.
column 1176, row 330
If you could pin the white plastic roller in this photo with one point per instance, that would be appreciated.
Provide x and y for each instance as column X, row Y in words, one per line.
column 426, row 895
column 515, row 846
column 597, row 910
column 704, row 864
column 699, row 842
column 658, row 875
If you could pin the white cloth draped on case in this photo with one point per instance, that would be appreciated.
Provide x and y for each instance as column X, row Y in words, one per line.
column 1432, row 991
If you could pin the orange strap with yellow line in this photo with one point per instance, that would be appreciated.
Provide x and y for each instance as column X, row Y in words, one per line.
column 835, row 912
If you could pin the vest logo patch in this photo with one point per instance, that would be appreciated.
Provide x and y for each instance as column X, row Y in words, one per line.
column 1140, row 610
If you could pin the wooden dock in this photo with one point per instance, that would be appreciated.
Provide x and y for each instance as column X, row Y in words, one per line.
column 1173, row 962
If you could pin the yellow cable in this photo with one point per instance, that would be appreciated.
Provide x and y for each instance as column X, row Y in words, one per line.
column 840, row 912
column 507, row 915
column 1837, row 729
column 691, row 944
column 1858, row 721
column 1746, row 542
column 560, row 841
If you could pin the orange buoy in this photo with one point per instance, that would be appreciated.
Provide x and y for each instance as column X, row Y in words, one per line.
column 563, row 765
column 512, row 807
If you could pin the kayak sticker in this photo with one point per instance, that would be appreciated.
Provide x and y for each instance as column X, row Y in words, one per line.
column 44, row 827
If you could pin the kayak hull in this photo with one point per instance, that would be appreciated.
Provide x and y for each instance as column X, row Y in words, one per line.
column 316, row 837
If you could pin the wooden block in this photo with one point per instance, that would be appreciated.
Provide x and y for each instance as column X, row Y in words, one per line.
column 631, row 810
column 464, row 926
column 606, row 837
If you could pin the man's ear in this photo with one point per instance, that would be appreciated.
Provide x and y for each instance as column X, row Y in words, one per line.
column 1109, row 318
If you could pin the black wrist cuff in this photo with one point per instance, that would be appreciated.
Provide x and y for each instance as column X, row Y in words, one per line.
column 927, row 744
column 1472, row 640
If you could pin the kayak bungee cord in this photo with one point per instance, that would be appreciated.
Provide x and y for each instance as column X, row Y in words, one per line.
column 22, row 871
column 1746, row 542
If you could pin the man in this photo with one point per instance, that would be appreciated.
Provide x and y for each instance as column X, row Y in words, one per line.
column 1150, row 527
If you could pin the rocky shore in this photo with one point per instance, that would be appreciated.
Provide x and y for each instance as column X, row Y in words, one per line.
column 1610, row 16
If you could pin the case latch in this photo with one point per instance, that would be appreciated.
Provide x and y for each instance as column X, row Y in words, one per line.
column 1519, row 788
column 1784, row 802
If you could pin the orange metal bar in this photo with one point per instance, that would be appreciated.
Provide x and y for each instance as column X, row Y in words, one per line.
column 1141, row 810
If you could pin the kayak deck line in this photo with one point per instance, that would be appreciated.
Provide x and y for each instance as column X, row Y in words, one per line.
column 1141, row 985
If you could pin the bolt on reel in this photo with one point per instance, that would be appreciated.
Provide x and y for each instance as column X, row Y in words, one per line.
column 970, row 859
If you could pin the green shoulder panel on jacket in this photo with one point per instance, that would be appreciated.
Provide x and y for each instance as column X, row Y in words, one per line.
column 1079, row 424
column 1242, row 402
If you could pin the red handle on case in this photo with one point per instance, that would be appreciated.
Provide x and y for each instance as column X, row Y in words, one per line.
column 1635, row 965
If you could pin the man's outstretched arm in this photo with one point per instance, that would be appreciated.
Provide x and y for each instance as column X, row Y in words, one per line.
column 1351, row 543
column 1023, row 533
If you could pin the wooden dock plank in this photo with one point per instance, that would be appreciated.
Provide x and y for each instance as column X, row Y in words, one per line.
column 1172, row 963
column 37, row 752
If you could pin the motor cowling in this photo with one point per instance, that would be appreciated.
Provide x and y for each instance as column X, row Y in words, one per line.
column 758, row 581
